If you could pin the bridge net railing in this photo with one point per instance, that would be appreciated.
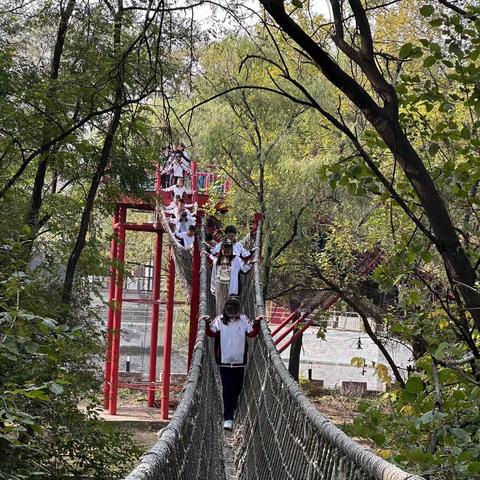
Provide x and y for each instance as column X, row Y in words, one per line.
column 182, row 256
column 190, row 447
column 279, row 434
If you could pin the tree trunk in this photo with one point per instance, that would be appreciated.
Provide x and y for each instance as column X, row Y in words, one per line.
column 294, row 359
column 296, row 347
column 101, row 166
column 37, row 192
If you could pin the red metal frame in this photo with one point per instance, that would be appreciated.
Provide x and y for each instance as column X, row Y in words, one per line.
column 111, row 295
column 157, row 272
column 167, row 347
column 143, row 227
column 330, row 301
column 114, row 318
column 117, row 316
column 293, row 316
column 292, row 327
column 149, row 301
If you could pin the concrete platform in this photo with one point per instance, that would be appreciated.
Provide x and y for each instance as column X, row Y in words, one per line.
column 138, row 416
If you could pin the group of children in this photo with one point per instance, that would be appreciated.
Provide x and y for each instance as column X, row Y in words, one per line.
column 182, row 218
column 229, row 259
column 177, row 165
column 230, row 327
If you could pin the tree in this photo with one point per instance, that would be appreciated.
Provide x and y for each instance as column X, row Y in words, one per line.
column 383, row 115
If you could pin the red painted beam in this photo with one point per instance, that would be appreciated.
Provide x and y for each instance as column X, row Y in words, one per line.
column 295, row 336
column 292, row 327
column 328, row 303
column 111, row 311
column 117, row 317
column 149, row 301
column 157, row 274
column 143, row 227
column 293, row 316
column 167, row 348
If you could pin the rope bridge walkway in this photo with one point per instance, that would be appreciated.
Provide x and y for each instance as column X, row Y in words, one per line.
column 278, row 434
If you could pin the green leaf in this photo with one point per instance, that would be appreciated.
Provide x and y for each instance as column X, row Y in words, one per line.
column 31, row 347
column 414, row 385
column 49, row 322
column 416, row 52
column 11, row 347
column 441, row 350
column 406, row 50
column 459, row 433
column 56, row 388
column 474, row 467
column 37, row 394
column 297, row 3
column 429, row 61
column 427, row 10
column 358, row 362
column 433, row 148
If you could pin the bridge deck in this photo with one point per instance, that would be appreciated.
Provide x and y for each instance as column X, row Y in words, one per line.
column 229, row 452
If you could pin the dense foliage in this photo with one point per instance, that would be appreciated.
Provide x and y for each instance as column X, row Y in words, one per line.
column 77, row 84
column 318, row 159
column 356, row 136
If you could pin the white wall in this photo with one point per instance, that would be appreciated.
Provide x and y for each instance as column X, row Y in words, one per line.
column 331, row 358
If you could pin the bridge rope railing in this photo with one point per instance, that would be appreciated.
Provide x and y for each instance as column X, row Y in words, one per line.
column 190, row 447
column 183, row 258
column 279, row 434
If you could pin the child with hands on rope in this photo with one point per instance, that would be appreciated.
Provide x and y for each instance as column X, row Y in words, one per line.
column 230, row 330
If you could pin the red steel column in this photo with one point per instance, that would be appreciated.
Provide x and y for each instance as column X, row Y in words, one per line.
column 193, row 178
column 111, row 311
column 157, row 272
column 158, row 179
column 167, row 346
column 194, row 301
column 117, row 317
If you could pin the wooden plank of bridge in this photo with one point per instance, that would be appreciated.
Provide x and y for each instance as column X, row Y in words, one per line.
column 229, row 453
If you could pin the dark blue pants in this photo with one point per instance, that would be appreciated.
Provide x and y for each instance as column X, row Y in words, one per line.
column 232, row 382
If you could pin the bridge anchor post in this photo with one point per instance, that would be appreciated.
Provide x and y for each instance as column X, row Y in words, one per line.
column 167, row 348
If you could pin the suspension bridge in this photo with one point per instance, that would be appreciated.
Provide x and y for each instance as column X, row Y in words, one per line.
column 278, row 434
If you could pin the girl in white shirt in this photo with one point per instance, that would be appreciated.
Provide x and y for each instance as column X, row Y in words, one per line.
column 177, row 166
column 178, row 190
column 187, row 237
column 230, row 330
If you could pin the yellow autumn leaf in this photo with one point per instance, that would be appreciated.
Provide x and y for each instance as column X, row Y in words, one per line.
column 384, row 453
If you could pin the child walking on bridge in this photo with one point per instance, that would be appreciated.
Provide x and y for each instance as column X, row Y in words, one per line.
column 226, row 270
column 231, row 330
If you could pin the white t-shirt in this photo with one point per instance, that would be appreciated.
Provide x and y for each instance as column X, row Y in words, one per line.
column 238, row 249
column 187, row 239
column 179, row 167
column 232, row 338
column 180, row 191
